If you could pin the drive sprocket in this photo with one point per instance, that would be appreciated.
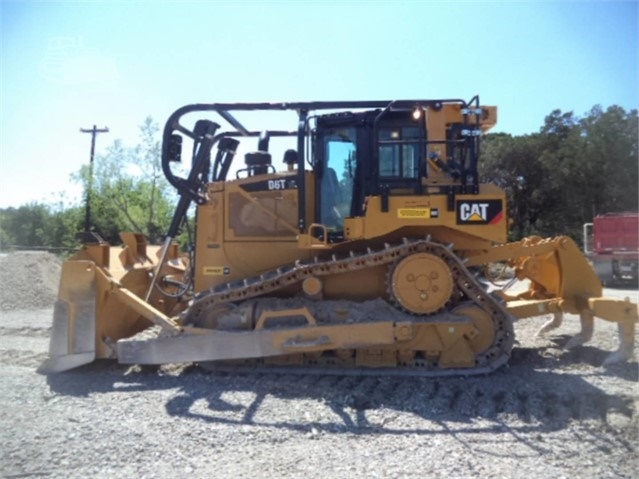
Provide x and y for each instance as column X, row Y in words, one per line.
column 421, row 283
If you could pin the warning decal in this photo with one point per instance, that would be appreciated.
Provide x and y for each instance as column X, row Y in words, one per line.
column 216, row 270
column 412, row 213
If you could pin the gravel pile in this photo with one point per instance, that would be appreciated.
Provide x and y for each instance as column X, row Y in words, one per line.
column 29, row 280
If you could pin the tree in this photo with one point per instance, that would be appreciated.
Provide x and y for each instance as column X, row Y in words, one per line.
column 572, row 170
column 129, row 190
column 39, row 225
column 513, row 164
column 593, row 164
column 610, row 154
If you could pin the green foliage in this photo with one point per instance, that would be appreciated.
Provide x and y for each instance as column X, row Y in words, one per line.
column 128, row 189
column 513, row 164
column 39, row 225
column 572, row 170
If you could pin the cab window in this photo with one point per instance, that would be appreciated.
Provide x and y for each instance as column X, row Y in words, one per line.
column 399, row 152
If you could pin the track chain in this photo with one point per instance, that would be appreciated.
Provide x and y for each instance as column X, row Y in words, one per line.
column 270, row 282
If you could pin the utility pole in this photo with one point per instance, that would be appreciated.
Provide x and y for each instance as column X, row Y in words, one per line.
column 87, row 212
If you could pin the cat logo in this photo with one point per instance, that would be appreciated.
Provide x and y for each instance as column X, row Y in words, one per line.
column 473, row 212
column 479, row 212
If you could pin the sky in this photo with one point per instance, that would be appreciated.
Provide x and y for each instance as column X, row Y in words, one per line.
column 71, row 65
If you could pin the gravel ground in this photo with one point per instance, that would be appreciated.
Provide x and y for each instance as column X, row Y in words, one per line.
column 550, row 413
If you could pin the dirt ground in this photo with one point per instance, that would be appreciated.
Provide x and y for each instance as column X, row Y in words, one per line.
column 549, row 413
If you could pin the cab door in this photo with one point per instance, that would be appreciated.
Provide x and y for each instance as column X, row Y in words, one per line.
column 340, row 151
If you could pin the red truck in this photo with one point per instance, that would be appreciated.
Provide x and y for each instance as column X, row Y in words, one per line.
column 611, row 242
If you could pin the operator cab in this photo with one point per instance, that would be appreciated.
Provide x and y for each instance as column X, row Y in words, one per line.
column 362, row 154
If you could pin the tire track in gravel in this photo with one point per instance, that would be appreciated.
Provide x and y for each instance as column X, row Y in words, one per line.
column 24, row 346
column 28, row 332
column 27, row 359
column 541, row 399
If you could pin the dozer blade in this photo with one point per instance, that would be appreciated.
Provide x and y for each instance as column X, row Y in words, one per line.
column 99, row 302
column 73, row 333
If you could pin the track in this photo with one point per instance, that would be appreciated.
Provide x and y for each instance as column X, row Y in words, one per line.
column 471, row 292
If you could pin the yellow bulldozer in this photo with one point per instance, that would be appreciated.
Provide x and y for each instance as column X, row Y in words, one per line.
column 359, row 254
